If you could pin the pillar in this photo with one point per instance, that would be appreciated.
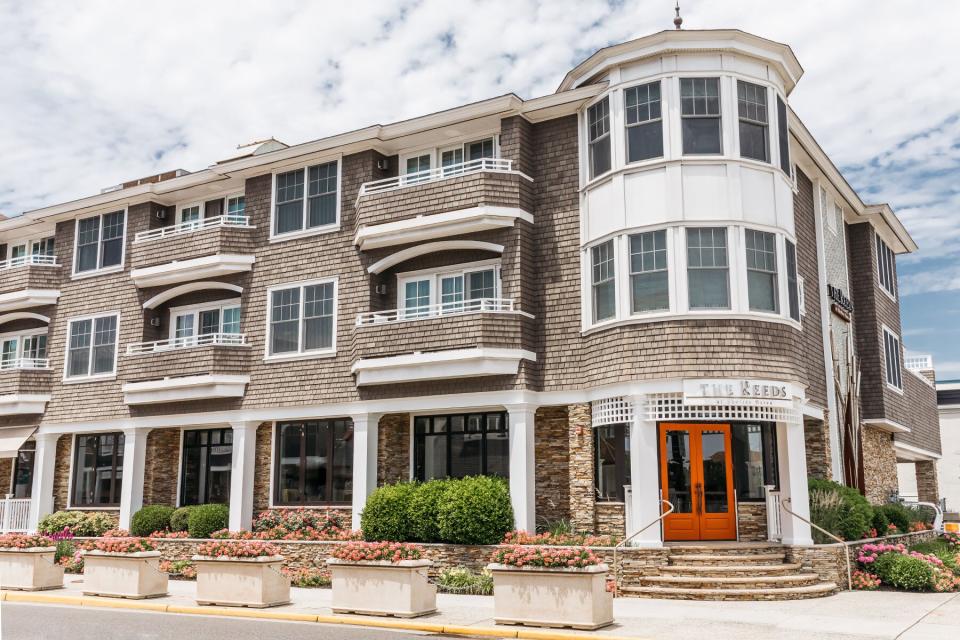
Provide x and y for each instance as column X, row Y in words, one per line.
column 522, row 466
column 44, row 465
column 645, row 505
column 364, row 462
column 791, row 451
column 242, row 468
column 134, row 460
column 927, row 488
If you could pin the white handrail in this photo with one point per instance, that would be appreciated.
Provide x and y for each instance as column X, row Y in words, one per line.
column 474, row 305
column 191, row 226
column 187, row 342
column 14, row 514
column 937, row 511
column 500, row 165
column 25, row 363
column 33, row 259
column 846, row 550
column 616, row 571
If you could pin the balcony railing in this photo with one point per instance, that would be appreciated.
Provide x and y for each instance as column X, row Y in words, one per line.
column 14, row 514
column 191, row 226
column 187, row 342
column 24, row 363
column 498, row 165
column 477, row 305
column 27, row 260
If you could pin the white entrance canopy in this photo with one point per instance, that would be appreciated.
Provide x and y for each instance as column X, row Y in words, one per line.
column 12, row 439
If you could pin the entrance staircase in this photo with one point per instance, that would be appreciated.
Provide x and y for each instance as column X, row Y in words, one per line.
column 729, row 571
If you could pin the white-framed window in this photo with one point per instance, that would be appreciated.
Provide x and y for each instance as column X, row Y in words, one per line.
column 302, row 319
column 886, row 268
column 643, row 119
column 190, row 213
column 24, row 349
column 793, row 281
column 783, row 139
column 92, row 347
column 99, row 242
column 17, row 252
column 417, row 167
column 754, row 121
column 603, row 283
column 892, row 359
column 189, row 323
column 454, row 289
column 598, row 137
column 762, row 279
column 42, row 247
column 700, row 116
column 236, row 205
column 306, row 200
column 649, row 275
column 708, row 268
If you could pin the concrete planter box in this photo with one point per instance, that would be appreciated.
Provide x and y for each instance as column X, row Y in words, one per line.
column 382, row 588
column 547, row 597
column 242, row 582
column 123, row 575
column 30, row 569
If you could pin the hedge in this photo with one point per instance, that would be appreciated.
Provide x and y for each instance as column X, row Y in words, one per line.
column 80, row 523
column 180, row 519
column 386, row 514
column 424, row 509
column 155, row 517
column 207, row 518
column 475, row 511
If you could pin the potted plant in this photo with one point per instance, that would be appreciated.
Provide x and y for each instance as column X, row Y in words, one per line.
column 381, row 578
column 242, row 573
column 27, row 563
column 550, row 587
column 123, row 568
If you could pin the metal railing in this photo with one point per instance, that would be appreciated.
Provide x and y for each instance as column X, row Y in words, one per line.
column 937, row 512
column 476, row 305
column 439, row 173
column 187, row 342
column 28, row 260
column 622, row 543
column 24, row 363
column 191, row 226
column 14, row 514
column 774, row 524
column 846, row 551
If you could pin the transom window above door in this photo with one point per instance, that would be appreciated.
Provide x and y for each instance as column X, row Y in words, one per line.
column 461, row 289
column 215, row 323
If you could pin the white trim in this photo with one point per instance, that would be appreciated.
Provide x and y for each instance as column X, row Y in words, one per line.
column 89, row 377
column 305, row 231
column 190, row 287
column 300, row 354
column 914, row 454
column 74, row 274
column 195, row 310
column 26, row 298
column 438, row 225
column 440, row 365
column 23, row 403
column 73, row 456
column 221, row 264
column 183, row 388
column 886, row 365
column 431, row 247
column 23, row 315
column 886, row 425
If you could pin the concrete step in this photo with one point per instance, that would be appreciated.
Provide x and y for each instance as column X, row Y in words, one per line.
column 731, row 582
column 713, row 559
column 774, row 593
column 780, row 569
column 726, row 548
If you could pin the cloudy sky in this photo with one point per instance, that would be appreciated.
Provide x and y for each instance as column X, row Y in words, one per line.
column 95, row 93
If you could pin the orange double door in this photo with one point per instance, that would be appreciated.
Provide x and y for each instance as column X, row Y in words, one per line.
column 696, row 476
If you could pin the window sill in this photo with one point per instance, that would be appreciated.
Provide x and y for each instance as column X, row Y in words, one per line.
column 83, row 275
column 892, row 297
column 293, row 357
column 304, row 233
column 690, row 315
column 896, row 390
column 97, row 378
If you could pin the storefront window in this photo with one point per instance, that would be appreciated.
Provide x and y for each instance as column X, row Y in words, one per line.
column 98, row 470
column 754, row 460
column 205, row 477
column 23, row 470
column 314, row 463
column 456, row 446
column 612, row 467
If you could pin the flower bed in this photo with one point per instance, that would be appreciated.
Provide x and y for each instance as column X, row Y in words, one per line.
column 381, row 578
column 377, row 552
column 240, row 573
column 120, row 545
column 179, row 569
column 27, row 562
column 559, row 539
column 122, row 568
column 234, row 549
column 528, row 556
column 307, row 578
column 927, row 566
column 21, row 542
column 169, row 535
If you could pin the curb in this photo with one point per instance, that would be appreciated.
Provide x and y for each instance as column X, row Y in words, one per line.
column 239, row 612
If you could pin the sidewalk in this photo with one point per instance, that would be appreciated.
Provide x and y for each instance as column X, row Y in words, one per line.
column 849, row 615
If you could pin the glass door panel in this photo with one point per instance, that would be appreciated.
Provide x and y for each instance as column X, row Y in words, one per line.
column 679, row 485
column 713, row 453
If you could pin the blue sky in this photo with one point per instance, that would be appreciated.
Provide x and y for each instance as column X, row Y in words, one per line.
column 101, row 92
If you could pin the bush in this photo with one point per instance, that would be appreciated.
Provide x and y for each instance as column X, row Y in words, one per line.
column 880, row 521
column 902, row 516
column 65, row 549
column 154, row 517
column 840, row 510
column 299, row 524
column 475, row 511
column 180, row 519
column 904, row 572
column 80, row 523
column 423, row 509
column 386, row 515
column 207, row 518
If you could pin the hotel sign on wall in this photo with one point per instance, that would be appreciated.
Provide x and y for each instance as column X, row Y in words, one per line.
column 760, row 393
column 840, row 304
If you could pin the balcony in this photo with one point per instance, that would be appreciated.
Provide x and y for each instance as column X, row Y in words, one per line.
column 193, row 250
column 29, row 281
column 474, row 338
column 464, row 198
column 24, row 386
column 193, row 368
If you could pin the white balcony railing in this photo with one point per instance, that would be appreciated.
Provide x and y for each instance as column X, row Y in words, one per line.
column 919, row 362
column 497, row 165
column 24, row 363
column 31, row 259
column 191, row 226
column 14, row 514
column 477, row 305
column 187, row 342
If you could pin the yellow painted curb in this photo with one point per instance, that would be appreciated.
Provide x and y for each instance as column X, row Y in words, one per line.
column 240, row 612
column 382, row 622
column 124, row 604
column 3, row 595
column 460, row 630
column 19, row 596
column 530, row 634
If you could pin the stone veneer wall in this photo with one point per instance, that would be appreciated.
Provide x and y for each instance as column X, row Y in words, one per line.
column 61, row 473
column 611, row 519
column 6, row 475
column 551, row 452
column 393, row 449
column 581, row 485
column 752, row 521
column 879, row 465
column 817, row 439
column 262, row 469
column 927, row 487
column 161, row 468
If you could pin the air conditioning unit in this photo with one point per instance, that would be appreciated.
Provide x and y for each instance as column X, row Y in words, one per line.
column 381, row 289
column 155, row 321
column 383, row 164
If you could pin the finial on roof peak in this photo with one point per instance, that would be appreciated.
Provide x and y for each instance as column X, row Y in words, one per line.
column 678, row 20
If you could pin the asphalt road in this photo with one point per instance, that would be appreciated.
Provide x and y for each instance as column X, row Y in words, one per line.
column 19, row 621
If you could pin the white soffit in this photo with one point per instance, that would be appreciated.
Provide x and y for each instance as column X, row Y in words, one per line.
column 889, row 426
column 12, row 439
column 910, row 453
column 222, row 264
column 439, row 225
column 440, row 365
column 201, row 387
column 431, row 247
column 26, row 298
column 23, row 403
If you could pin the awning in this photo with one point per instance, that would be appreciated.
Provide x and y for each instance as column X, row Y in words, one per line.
column 12, row 439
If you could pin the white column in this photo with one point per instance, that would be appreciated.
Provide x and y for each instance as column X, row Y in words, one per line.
column 644, row 477
column 134, row 458
column 364, row 461
column 791, row 450
column 44, row 464
column 522, row 466
column 242, row 467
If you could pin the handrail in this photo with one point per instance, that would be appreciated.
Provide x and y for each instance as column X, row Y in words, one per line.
column 227, row 220
column 938, row 512
column 37, row 259
column 474, row 305
column 616, row 567
column 846, row 552
column 25, row 363
column 500, row 165
column 187, row 342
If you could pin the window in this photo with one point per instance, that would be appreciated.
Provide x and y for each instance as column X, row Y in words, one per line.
column 42, row 247
column 455, row 291
column 416, row 298
column 301, row 319
column 24, row 351
column 479, row 149
column 700, row 115
column 793, row 288
column 190, row 213
column 100, row 242
column 23, row 470
column 762, row 270
column 754, row 460
column 450, row 161
column 649, row 286
column 598, row 137
column 603, row 283
column 299, row 211
column 644, row 122
column 754, row 121
column 886, row 268
column 456, row 446
column 18, row 251
column 782, row 137
column 314, row 463
column 98, row 470
column 708, row 280
column 205, row 470
column 417, row 164
column 891, row 352
column 612, row 467
column 202, row 321
column 92, row 347
column 236, row 205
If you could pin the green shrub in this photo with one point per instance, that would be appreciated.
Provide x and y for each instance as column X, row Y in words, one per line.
column 475, row 511
column 65, row 549
column 903, row 572
column 840, row 510
column 80, row 523
column 180, row 519
column 942, row 550
column 462, row 580
column 386, row 515
column 899, row 515
column 880, row 521
column 424, row 508
column 204, row 519
column 154, row 517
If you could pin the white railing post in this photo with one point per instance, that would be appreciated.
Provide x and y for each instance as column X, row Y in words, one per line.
column 442, row 309
column 773, row 513
column 499, row 165
column 7, row 513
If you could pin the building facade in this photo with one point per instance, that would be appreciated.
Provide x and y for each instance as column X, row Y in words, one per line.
column 645, row 289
